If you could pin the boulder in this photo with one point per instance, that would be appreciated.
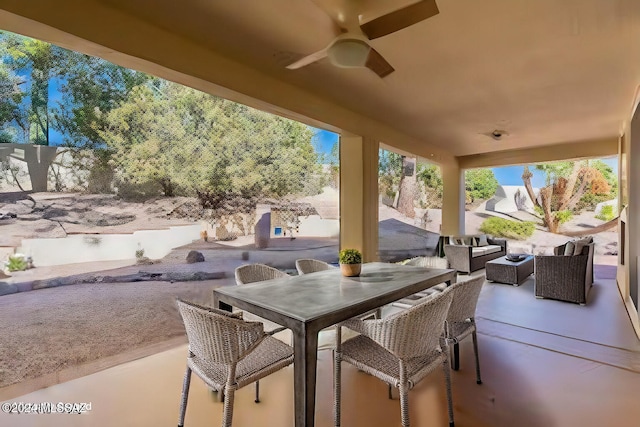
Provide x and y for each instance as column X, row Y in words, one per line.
column 194, row 256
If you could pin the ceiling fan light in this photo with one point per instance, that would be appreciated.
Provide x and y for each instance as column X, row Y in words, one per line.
column 349, row 53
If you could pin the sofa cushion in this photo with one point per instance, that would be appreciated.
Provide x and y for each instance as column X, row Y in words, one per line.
column 454, row 240
column 569, row 248
column 482, row 240
column 485, row 250
column 578, row 246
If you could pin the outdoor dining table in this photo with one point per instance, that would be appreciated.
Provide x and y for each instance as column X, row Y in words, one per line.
column 309, row 303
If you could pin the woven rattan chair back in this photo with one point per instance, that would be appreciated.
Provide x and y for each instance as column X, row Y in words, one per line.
column 461, row 319
column 257, row 273
column 306, row 266
column 227, row 353
column 218, row 336
column 401, row 350
column 465, row 299
column 413, row 332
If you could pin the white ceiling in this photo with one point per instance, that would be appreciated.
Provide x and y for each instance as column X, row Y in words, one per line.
column 544, row 71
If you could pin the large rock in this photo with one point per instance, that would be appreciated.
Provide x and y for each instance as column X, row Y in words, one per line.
column 7, row 288
column 194, row 256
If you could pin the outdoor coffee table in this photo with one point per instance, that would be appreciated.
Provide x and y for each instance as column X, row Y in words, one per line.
column 311, row 302
column 504, row 271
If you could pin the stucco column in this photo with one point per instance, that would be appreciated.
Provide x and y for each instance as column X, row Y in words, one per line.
column 452, row 199
column 359, row 195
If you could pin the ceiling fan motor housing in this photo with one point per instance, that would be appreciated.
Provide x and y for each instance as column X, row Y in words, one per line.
column 349, row 53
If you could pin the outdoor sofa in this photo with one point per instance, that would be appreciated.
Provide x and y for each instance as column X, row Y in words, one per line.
column 470, row 253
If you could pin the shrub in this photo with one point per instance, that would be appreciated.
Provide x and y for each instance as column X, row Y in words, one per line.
column 563, row 216
column 606, row 214
column 350, row 256
column 499, row 227
column 16, row 263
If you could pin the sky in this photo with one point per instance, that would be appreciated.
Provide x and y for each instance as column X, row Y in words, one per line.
column 508, row 175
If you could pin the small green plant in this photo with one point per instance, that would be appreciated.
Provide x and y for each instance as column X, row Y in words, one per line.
column 499, row 227
column 563, row 216
column 139, row 253
column 606, row 213
column 350, row 256
column 16, row 263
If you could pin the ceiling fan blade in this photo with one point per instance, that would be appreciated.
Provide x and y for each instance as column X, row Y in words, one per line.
column 309, row 59
column 399, row 19
column 377, row 64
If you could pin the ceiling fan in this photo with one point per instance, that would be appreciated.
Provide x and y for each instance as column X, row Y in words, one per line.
column 352, row 49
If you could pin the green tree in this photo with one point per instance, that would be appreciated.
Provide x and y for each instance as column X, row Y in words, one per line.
column 389, row 173
column 480, row 184
column 430, row 178
column 90, row 89
column 172, row 139
column 10, row 98
column 40, row 60
column 567, row 184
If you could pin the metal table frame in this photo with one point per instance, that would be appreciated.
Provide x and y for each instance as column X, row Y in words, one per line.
column 309, row 303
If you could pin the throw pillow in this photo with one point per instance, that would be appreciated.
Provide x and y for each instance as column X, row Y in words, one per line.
column 579, row 245
column 569, row 248
column 482, row 240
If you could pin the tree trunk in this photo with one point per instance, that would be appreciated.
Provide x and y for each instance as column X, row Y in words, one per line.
column 407, row 187
column 526, row 178
column 570, row 185
column 546, row 195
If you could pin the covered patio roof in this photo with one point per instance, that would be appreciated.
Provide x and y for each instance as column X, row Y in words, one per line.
column 542, row 73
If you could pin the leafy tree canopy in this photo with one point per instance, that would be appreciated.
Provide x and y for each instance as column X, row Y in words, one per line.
column 183, row 141
column 480, row 184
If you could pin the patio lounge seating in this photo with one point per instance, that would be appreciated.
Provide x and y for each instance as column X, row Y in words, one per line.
column 401, row 350
column 568, row 274
column 227, row 353
column 470, row 253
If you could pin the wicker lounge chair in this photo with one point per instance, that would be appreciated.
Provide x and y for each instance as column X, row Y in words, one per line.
column 305, row 266
column 460, row 319
column 227, row 353
column 565, row 277
column 401, row 350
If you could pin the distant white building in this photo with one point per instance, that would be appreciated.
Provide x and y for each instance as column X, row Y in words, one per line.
column 511, row 198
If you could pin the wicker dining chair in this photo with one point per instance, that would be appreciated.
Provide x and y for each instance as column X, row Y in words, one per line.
column 401, row 350
column 252, row 273
column 257, row 273
column 227, row 353
column 461, row 319
column 306, row 266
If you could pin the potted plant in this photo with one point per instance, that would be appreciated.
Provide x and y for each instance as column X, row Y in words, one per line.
column 350, row 262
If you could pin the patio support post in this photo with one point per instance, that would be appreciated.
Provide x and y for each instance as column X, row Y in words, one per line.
column 359, row 195
column 452, row 199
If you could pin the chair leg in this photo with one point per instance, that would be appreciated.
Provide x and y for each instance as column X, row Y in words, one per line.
column 185, row 395
column 404, row 403
column 257, row 392
column 447, row 379
column 337, row 377
column 475, row 350
column 228, row 406
column 456, row 356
